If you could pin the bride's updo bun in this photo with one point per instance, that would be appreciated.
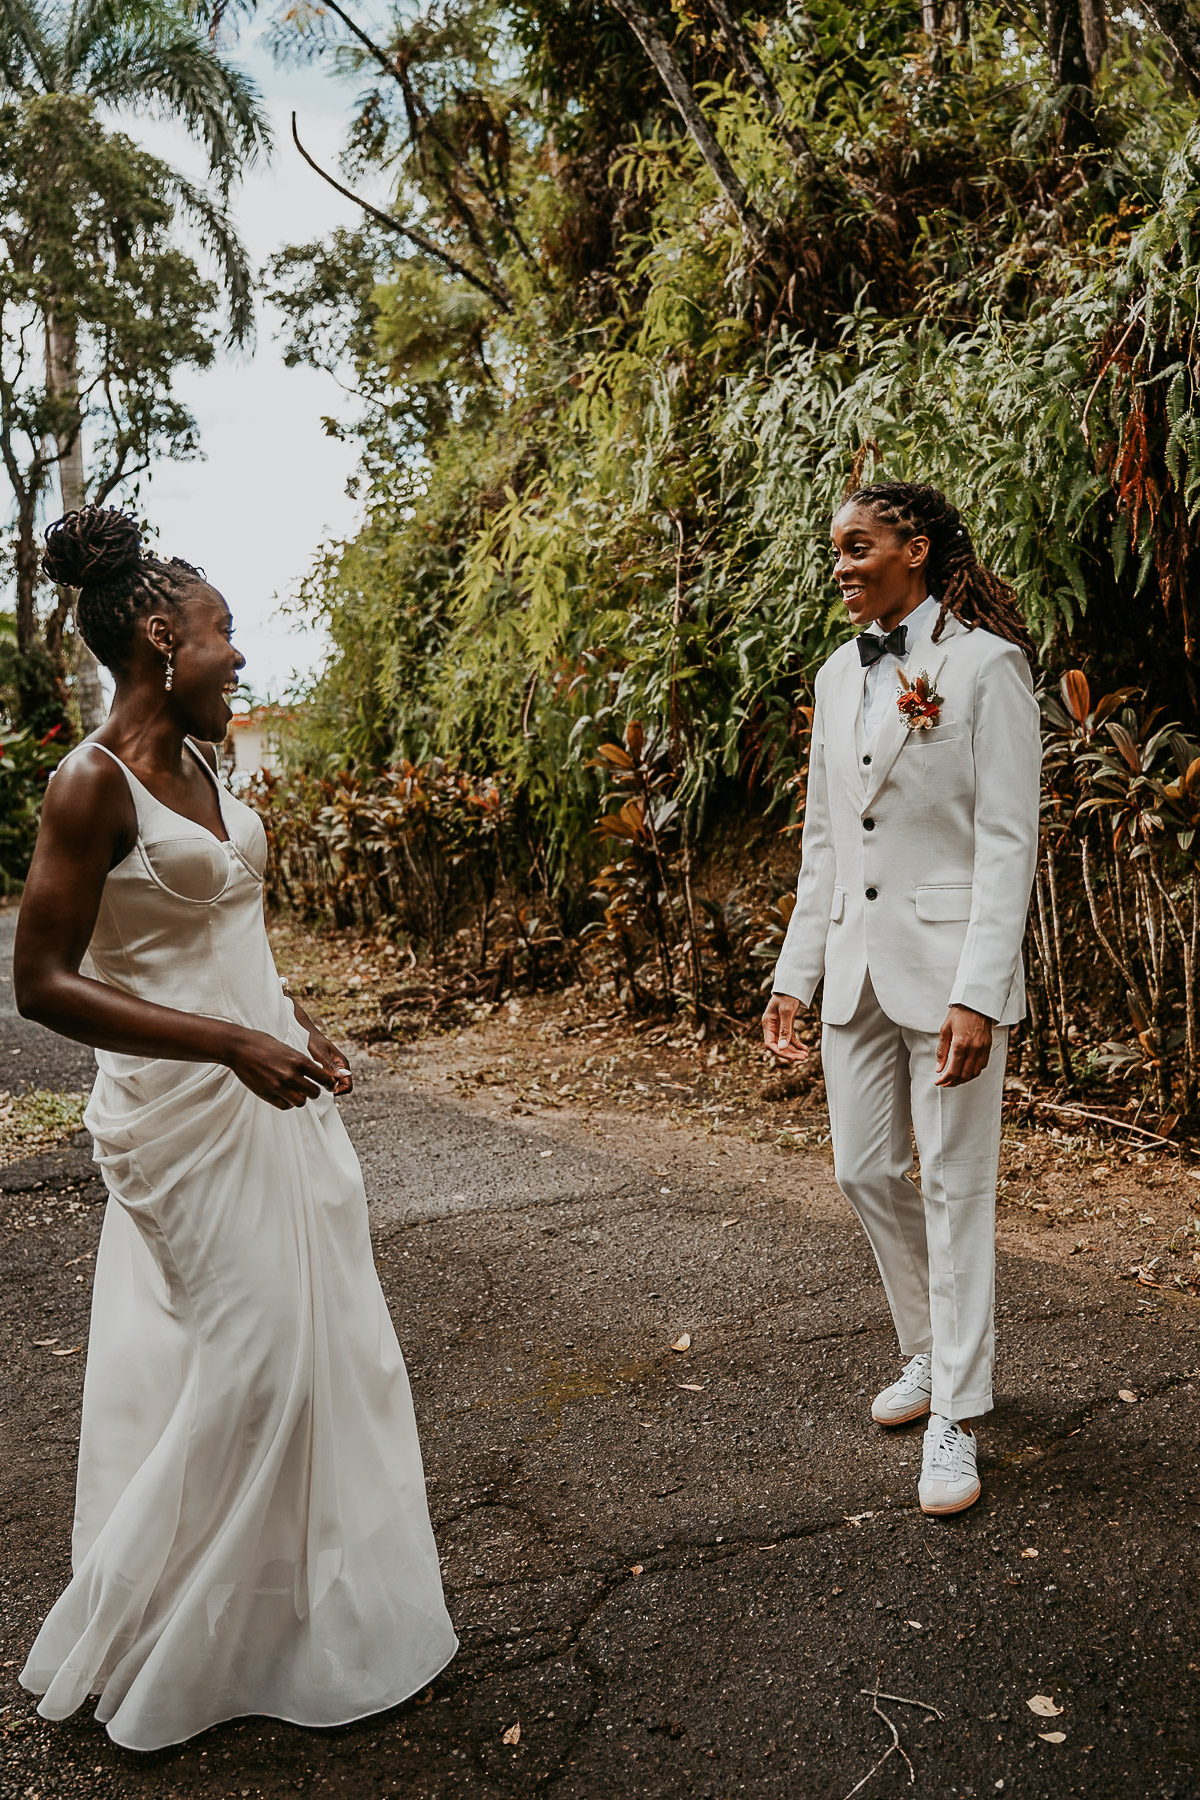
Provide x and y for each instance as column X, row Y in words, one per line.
column 99, row 551
column 92, row 547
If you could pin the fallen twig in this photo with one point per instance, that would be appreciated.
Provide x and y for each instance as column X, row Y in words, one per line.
column 895, row 1748
column 901, row 1701
column 1083, row 1112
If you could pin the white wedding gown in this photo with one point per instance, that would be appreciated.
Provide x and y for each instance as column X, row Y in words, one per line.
column 251, row 1529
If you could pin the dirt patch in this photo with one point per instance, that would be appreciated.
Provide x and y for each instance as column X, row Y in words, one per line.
column 1063, row 1193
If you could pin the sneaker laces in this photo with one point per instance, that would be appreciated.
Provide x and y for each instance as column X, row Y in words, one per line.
column 946, row 1452
column 913, row 1374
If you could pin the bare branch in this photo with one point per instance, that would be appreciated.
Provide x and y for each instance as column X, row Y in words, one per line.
column 410, row 232
column 417, row 110
column 1179, row 25
column 117, row 475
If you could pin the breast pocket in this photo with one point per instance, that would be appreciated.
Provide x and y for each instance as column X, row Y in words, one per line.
column 937, row 735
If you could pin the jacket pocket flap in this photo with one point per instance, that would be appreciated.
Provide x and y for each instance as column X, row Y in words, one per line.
column 839, row 905
column 942, row 903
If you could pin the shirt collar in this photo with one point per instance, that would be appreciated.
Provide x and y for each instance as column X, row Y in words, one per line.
column 916, row 620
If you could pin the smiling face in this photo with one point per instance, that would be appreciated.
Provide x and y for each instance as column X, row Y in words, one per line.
column 198, row 633
column 880, row 571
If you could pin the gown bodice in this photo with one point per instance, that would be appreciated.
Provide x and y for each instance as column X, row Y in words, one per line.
column 181, row 917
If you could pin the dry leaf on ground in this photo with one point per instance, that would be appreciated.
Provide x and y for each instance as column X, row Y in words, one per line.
column 513, row 1734
column 43, row 1343
column 690, row 1387
column 683, row 1342
column 75, row 1348
column 1043, row 1706
column 1029, row 1553
column 732, row 1219
column 1126, row 1394
column 636, row 1569
column 1053, row 1737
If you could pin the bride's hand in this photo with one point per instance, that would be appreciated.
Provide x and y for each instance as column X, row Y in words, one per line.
column 274, row 1071
column 331, row 1059
column 323, row 1051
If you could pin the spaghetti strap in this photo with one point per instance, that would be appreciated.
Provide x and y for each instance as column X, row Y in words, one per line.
column 204, row 764
column 91, row 744
column 141, row 796
column 144, row 799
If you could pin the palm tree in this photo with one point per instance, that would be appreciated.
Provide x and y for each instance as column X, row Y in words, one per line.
column 149, row 57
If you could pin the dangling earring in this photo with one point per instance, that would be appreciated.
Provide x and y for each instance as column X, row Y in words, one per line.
column 170, row 671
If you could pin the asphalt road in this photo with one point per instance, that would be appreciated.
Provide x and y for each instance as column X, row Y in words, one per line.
column 677, row 1570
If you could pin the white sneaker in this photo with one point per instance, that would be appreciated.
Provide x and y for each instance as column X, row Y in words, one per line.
column 949, row 1483
column 907, row 1398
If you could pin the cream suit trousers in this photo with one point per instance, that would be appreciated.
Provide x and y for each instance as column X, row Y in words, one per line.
column 935, row 1246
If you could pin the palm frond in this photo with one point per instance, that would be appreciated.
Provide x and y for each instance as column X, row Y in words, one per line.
column 212, row 221
column 22, row 38
column 174, row 72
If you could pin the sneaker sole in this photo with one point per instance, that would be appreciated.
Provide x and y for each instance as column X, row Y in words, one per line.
column 918, row 1412
column 941, row 1512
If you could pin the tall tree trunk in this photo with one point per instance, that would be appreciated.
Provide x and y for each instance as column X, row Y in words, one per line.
column 682, row 93
column 942, row 19
column 1065, row 41
column 1181, row 28
column 1094, row 19
column 62, row 379
column 26, row 559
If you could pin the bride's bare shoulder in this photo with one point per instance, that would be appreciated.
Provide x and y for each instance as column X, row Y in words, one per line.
column 88, row 791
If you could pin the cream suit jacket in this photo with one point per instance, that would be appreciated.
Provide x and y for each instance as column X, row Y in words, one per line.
column 919, row 848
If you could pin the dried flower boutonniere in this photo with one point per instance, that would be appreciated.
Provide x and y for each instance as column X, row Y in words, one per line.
column 919, row 705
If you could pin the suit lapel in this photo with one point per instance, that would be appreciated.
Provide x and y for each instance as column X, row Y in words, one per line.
column 893, row 733
column 845, row 708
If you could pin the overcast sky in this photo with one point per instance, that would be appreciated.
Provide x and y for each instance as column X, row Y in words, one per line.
column 271, row 485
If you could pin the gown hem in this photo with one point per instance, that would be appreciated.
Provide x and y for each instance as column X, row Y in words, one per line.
column 368, row 1712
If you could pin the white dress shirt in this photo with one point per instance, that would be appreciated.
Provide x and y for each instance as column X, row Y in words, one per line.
column 882, row 685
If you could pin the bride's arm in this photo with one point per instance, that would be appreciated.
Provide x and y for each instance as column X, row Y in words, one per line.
column 88, row 826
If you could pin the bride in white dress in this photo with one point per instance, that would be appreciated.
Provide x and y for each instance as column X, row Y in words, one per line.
column 251, row 1530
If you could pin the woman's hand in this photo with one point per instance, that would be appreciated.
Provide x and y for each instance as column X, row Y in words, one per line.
column 964, row 1047
column 274, row 1071
column 331, row 1059
column 778, row 1023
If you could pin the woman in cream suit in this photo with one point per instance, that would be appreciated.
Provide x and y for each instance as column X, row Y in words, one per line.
column 918, row 853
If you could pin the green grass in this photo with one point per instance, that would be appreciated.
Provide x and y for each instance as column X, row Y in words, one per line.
column 36, row 1121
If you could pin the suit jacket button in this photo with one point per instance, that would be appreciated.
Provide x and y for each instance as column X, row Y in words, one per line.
column 866, row 759
column 872, row 893
column 868, row 824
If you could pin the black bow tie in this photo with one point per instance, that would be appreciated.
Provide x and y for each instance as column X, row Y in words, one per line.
column 872, row 645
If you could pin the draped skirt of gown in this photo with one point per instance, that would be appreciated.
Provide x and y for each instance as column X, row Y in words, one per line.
column 251, row 1530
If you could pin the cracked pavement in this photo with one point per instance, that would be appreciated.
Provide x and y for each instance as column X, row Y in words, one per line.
column 677, row 1570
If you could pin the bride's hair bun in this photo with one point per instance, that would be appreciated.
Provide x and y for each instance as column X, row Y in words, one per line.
column 99, row 551
column 92, row 547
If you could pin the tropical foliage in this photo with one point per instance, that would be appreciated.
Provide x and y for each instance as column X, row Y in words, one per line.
column 655, row 284
column 100, row 303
